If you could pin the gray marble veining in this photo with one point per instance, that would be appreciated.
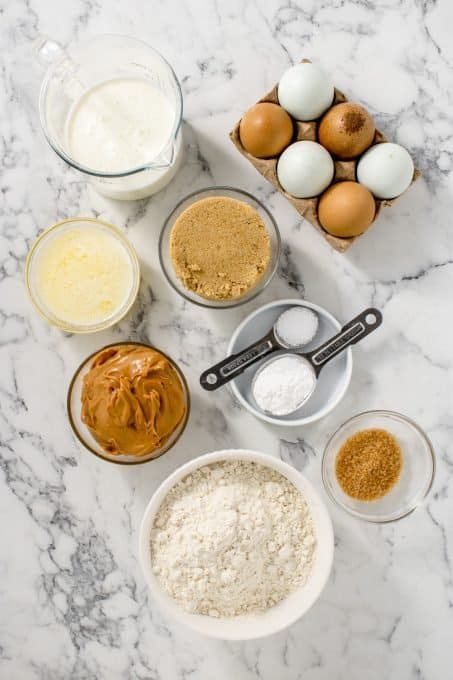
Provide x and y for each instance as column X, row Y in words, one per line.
column 73, row 602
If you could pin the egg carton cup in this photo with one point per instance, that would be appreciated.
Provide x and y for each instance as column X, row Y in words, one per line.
column 344, row 170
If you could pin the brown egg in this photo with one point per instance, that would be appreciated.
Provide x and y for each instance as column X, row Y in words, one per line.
column 346, row 130
column 265, row 130
column 346, row 209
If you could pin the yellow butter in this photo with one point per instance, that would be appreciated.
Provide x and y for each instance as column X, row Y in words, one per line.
column 83, row 275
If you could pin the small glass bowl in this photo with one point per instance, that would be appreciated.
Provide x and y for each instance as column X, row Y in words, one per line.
column 83, row 433
column 164, row 246
column 32, row 288
column 416, row 477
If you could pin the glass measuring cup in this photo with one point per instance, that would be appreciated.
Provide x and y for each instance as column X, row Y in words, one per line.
column 73, row 72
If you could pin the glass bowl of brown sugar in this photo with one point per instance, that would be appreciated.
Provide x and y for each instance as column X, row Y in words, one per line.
column 219, row 247
column 378, row 466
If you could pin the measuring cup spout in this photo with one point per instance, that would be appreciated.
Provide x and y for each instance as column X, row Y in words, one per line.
column 166, row 157
column 46, row 50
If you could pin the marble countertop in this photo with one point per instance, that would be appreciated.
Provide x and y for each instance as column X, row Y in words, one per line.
column 74, row 604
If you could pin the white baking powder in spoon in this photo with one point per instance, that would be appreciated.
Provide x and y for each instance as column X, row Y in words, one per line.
column 283, row 384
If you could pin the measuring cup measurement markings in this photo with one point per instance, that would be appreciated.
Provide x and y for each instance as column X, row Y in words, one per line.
column 247, row 358
column 335, row 346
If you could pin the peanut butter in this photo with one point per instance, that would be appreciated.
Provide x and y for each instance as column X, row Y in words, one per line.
column 132, row 400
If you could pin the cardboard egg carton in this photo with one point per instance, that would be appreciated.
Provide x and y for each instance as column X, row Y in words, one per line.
column 344, row 170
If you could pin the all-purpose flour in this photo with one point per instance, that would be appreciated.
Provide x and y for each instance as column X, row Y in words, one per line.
column 232, row 538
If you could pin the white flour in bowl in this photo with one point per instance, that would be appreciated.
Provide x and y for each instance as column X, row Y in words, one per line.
column 232, row 538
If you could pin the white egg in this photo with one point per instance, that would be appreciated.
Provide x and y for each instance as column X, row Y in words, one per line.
column 305, row 91
column 386, row 170
column 305, row 169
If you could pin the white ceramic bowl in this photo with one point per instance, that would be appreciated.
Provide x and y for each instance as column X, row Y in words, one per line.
column 333, row 380
column 285, row 612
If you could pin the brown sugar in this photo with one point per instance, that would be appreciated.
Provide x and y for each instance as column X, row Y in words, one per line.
column 220, row 248
column 368, row 464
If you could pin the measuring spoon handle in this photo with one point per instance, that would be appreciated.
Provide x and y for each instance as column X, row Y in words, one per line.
column 363, row 324
column 235, row 364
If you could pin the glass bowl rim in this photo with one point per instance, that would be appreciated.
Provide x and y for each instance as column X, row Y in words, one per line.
column 66, row 326
column 74, row 428
column 407, row 421
column 260, row 286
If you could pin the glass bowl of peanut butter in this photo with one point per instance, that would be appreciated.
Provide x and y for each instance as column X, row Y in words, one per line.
column 128, row 403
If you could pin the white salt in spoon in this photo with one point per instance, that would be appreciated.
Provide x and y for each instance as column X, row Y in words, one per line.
column 294, row 328
column 285, row 383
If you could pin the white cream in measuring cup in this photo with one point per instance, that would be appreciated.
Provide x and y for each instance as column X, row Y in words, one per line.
column 119, row 125
column 112, row 108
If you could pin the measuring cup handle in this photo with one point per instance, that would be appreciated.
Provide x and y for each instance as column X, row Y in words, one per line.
column 363, row 324
column 47, row 50
column 235, row 364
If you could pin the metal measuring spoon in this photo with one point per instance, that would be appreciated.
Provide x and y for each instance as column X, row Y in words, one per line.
column 361, row 326
column 235, row 364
